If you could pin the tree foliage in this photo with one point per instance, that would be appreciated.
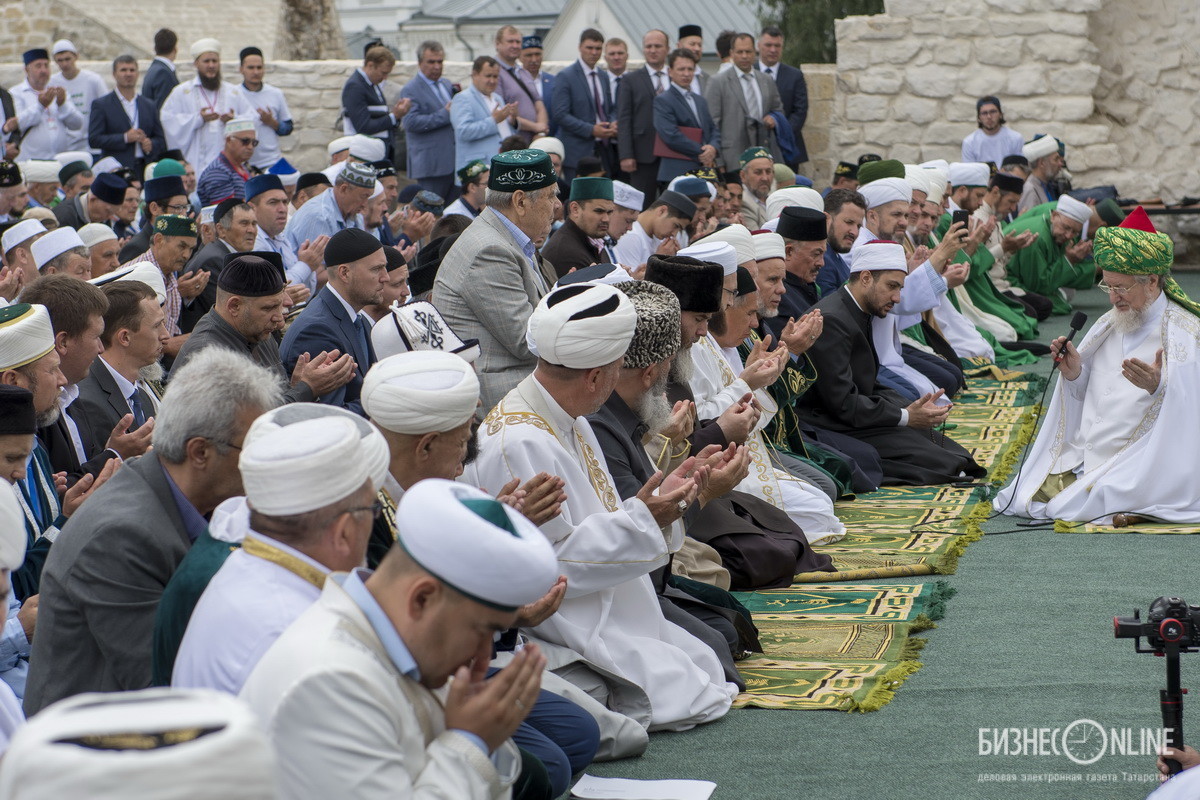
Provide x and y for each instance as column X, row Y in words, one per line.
column 807, row 25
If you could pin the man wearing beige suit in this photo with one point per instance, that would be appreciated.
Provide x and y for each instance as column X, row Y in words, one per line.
column 741, row 101
column 490, row 280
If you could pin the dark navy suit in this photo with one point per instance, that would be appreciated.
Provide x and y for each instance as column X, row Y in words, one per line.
column 158, row 83
column 323, row 326
column 430, row 136
column 671, row 112
column 108, row 123
column 574, row 111
column 793, row 91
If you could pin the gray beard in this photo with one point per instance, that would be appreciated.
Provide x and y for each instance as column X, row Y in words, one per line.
column 1128, row 321
column 764, row 314
column 151, row 372
column 48, row 417
column 682, row 367
column 654, row 409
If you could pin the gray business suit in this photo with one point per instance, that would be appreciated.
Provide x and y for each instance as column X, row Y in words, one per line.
column 486, row 289
column 100, row 406
column 739, row 129
column 101, row 586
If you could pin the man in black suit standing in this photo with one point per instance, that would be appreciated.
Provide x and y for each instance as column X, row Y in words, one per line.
column 160, row 77
column 792, row 87
column 635, row 115
column 124, row 125
column 365, row 109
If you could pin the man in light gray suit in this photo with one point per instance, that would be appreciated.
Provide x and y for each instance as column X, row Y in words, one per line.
column 490, row 280
column 107, row 570
column 427, row 124
column 741, row 101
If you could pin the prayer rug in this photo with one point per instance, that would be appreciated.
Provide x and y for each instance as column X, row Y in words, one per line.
column 838, row 647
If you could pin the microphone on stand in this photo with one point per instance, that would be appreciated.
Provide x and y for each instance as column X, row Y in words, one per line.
column 1077, row 323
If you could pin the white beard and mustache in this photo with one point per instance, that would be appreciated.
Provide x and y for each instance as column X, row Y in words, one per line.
column 654, row 409
column 151, row 372
column 682, row 368
column 1128, row 321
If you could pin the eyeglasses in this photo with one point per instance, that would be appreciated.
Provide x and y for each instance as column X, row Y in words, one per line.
column 375, row 508
column 1119, row 291
column 247, row 142
column 179, row 208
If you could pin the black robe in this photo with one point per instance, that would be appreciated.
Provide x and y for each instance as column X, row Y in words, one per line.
column 846, row 398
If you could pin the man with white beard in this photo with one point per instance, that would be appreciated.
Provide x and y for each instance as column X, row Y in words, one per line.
column 1125, row 405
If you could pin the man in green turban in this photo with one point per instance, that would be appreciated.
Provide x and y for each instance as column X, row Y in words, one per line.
column 1125, row 406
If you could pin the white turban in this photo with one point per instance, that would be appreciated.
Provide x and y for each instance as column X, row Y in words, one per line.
column 12, row 529
column 40, row 171
column 26, row 335
column 162, row 743
column 71, row 156
column 738, row 236
column 803, row 196
column 769, row 245
column 583, row 326
column 879, row 256
column 771, row 225
column 238, row 125
column 106, row 164
column 63, row 46
column 475, row 544
column 937, row 163
column 302, row 467
column 715, row 252
column 886, row 190
column 969, row 173
column 202, row 46
column 917, row 178
column 94, row 233
column 421, row 392
column 626, row 196
column 549, row 144
column 338, row 145
column 419, row 326
column 374, row 446
column 141, row 271
column 1067, row 206
column 936, row 185
column 23, row 231
column 1039, row 148
column 367, row 148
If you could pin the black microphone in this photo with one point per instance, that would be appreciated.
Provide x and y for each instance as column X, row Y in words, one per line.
column 1077, row 323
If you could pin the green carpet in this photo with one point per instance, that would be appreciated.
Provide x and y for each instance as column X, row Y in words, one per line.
column 1062, row 526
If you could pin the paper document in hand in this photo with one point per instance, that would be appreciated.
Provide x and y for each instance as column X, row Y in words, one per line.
column 590, row 787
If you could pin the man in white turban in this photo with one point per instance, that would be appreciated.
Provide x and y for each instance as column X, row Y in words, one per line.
column 1058, row 261
column 645, row 667
column 347, row 693
column 1045, row 162
column 195, row 113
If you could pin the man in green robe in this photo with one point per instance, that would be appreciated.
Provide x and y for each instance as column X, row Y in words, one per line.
column 1056, row 260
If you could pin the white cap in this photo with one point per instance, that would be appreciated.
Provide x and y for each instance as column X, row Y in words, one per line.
column 935, row 186
column 937, row 163
column 475, row 544
column 803, row 196
column 377, row 191
column 161, row 743
column 549, row 144
column 626, row 196
column 63, row 46
column 106, row 164
column 202, row 46
column 303, row 467
column 969, row 173
column 917, row 177
column 22, row 232
column 421, row 392
column 769, row 245
column 1067, row 206
column 141, row 271
column 71, row 156
column 582, row 326
column 419, row 326
column 238, row 125
column 206, row 214
column 338, row 145
column 1039, row 148
column 94, row 233
column 715, row 252
column 367, row 148
column 886, row 190
column 374, row 447
column 738, row 236
column 26, row 335
column 12, row 529
column 39, row 170
column 878, row 256
column 54, row 243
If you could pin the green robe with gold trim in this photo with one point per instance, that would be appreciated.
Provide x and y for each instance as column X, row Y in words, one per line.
column 1043, row 267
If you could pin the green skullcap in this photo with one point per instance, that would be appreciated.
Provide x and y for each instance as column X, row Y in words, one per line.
column 751, row 153
column 591, row 189
column 472, row 168
column 874, row 170
column 174, row 225
column 521, row 170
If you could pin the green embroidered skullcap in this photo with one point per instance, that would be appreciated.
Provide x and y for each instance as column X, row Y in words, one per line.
column 521, row 170
column 751, row 153
column 874, row 170
column 174, row 225
column 471, row 169
column 1134, row 247
column 591, row 189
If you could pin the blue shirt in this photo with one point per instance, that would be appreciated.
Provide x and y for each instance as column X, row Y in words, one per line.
column 834, row 273
column 14, row 648
column 318, row 217
column 397, row 651
column 219, row 181
column 194, row 523
column 523, row 242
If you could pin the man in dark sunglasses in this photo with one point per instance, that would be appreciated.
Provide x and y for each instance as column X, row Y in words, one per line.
column 226, row 176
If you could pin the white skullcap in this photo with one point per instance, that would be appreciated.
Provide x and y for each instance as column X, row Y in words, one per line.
column 333, row 171
column 418, row 326
column 106, row 164
column 935, row 186
column 1039, row 148
column 309, row 465
column 769, row 245
column 71, row 156
column 1067, row 206
column 917, row 177
column 549, row 144
column 771, row 225
column 23, row 231
column 714, row 252
column 141, row 271
column 238, row 125
column 63, row 46
column 738, row 236
column 367, row 148
column 202, row 46
column 206, row 214
column 425, row 391
column 886, row 190
column 803, row 196
column 12, row 529
column 878, row 256
column 54, row 243
column 161, row 743
column 582, row 326
column 94, row 233
column 26, row 335
column 626, row 196
column 377, row 191
column 374, row 446
column 969, row 173
column 475, row 544
column 40, row 170
column 338, row 145
column 937, row 163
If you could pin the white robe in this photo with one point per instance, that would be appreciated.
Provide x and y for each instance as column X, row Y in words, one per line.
column 201, row 141
column 1131, row 451
column 716, row 386
column 635, row 247
column 607, row 548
